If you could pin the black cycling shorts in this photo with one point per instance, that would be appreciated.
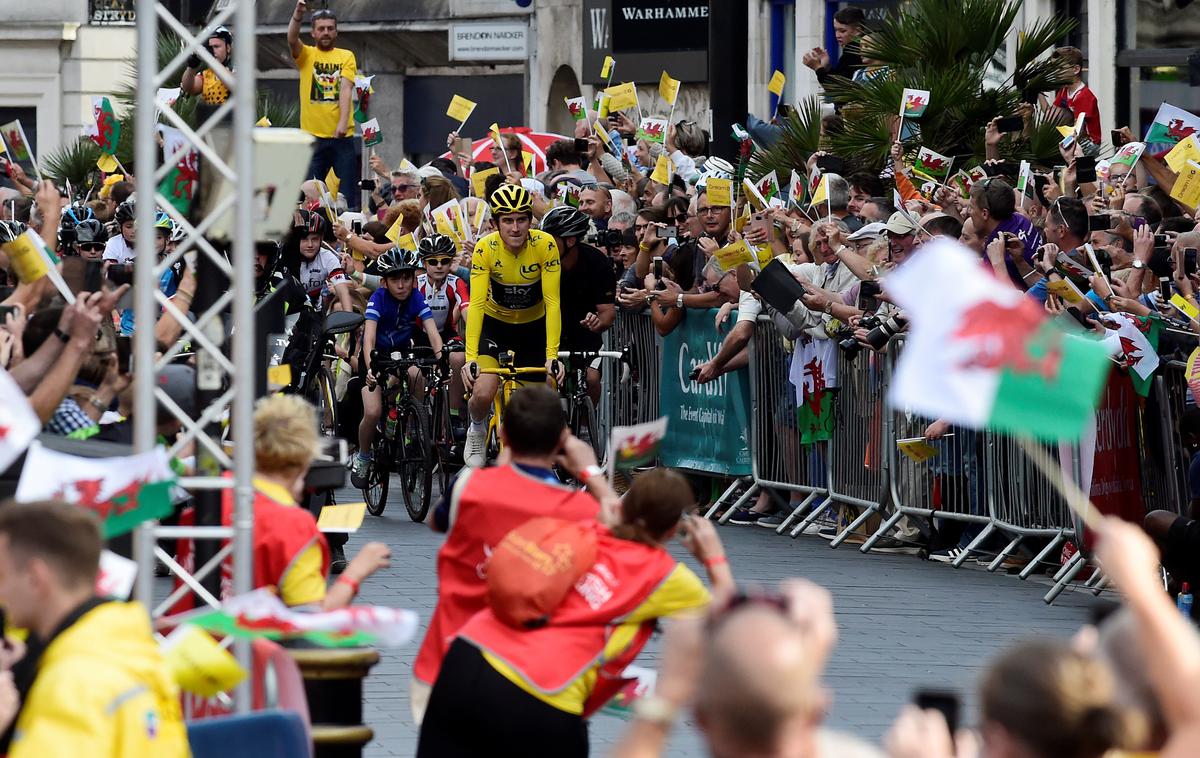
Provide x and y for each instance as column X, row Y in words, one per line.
column 526, row 341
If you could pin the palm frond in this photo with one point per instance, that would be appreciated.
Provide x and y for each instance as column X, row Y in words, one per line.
column 72, row 162
column 800, row 138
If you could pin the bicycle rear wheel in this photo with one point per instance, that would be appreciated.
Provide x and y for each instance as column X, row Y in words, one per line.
column 379, row 475
column 326, row 402
column 590, row 419
column 442, row 439
column 415, row 461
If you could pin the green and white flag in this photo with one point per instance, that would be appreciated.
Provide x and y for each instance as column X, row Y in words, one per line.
column 983, row 355
column 1172, row 124
column 123, row 492
column 180, row 183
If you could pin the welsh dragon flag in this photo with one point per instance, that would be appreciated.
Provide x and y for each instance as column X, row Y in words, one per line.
column 179, row 185
column 981, row 354
column 1171, row 125
column 1133, row 343
column 122, row 491
column 931, row 164
column 19, row 425
column 261, row 614
column 107, row 134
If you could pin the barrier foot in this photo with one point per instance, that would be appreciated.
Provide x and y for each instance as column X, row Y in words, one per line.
column 796, row 511
column 1101, row 583
column 1037, row 560
column 995, row 564
column 883, row 529
column 812, row 516
column 979, row 538
column 866, row 514
column 746, row 496
column 1063, row 569
column 1073, row 566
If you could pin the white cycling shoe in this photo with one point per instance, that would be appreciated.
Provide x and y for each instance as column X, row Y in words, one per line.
column 475, row 448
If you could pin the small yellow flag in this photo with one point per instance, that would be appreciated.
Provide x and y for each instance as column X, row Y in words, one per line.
column 342, row 518
column 198, row 662
column 1186, row 150
column 1066, row 290
column 263, row 122
column 763, row 255
column 460, row 109
column 607, row 68
column 668, row 88
column 734, row 255
column 527, row 160
column 279, row 376
column 753, row 195
column 479, row 180
column 407, row 242
column 494, row 133
column 445, row 226
column 719, row 191
column 1184, row 307
column 822, row 193
column 622, row 96
column 393, row 233
column 1066, row 131
column 775, row 86
column 1187, row 185
column 27, row 263
column 332, row 183
column 662, row 170
column 480, row 213
column 917, row 449
column 602, row 133
column 107, row 163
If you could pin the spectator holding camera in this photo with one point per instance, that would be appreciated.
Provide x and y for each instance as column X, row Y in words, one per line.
column 205, row 82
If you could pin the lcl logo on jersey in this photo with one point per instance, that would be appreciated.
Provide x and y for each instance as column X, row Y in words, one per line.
column 530, row 271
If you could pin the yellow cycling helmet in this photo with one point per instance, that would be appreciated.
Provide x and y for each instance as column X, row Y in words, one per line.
column 510, row 198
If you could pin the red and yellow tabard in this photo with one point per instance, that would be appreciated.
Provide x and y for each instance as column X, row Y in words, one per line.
column 291, row 556
column 485, row 505
column 574, row 662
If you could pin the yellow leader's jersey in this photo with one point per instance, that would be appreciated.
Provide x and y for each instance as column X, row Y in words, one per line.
column 516, row 289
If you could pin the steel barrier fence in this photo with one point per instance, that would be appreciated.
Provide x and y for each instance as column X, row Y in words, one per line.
column 979, row 478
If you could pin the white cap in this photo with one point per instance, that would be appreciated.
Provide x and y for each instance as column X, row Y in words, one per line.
column 871, row 231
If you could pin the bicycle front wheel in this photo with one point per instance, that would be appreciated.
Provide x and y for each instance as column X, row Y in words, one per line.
column 379, row 475
column 415, row 461
column 326, row 402
column 589, row 419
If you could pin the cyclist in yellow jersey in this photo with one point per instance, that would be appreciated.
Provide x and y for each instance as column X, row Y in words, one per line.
column 514, row 297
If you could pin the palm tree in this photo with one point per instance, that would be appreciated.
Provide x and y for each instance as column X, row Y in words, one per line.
column 76, row 161
column 951, row 48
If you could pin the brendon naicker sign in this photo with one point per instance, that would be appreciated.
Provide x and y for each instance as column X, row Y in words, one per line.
column 646, row 37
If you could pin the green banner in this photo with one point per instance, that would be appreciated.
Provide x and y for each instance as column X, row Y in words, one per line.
column 708, row 424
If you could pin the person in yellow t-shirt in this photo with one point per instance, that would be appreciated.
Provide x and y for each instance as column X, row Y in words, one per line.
column 326, row 90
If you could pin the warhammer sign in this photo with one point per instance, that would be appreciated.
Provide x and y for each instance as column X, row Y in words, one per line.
column 641, row 26
column 112, row 12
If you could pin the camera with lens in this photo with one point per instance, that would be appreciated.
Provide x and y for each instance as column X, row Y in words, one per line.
column 608, row 238
column 879, row 331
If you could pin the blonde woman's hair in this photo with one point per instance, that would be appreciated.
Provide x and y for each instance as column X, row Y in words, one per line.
column 285, row 434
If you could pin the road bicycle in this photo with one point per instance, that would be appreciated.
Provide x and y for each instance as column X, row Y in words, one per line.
column 579, row 406
column 510, row 381
column 402, row 443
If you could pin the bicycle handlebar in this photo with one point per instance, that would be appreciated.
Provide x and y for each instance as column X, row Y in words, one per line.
column 588, row 355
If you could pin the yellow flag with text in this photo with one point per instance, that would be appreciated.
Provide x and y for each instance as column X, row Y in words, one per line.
column 775, row 86
column 622, row 96
column 460, row 108
column 668, row 88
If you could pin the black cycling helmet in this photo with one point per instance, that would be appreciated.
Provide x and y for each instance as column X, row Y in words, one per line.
column 90, row 231
column 436, row 245
column 396, row 260
column 224, row 34
column 311, row 222
column 126, row 211
column 565, row 221
column 510, row 198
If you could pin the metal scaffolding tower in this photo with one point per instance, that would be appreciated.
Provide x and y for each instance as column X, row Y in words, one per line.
column 225, row 379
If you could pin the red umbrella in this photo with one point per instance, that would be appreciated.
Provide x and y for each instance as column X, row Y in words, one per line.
column 531, row 142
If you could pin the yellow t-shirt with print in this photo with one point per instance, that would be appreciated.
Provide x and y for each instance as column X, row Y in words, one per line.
column 321, row 75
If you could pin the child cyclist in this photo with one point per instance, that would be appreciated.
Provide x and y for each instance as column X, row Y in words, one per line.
column 393, row 313
column 448, row 299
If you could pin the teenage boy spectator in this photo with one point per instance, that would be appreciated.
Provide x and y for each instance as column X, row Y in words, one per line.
column 994, row 212
column 562, row 156
column 326, row 89
column 848, row 26
column 92, row 680
column 1076, row 97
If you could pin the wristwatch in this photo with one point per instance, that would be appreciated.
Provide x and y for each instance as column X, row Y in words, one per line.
column 655, row 709
column 1137, row 264
column 679, row 301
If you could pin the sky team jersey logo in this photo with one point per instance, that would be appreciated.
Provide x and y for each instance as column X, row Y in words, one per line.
column 326, row 83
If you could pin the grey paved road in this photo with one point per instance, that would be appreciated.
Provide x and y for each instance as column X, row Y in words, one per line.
column 903, row 623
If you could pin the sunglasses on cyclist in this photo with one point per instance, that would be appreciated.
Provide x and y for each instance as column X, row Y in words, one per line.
column 90, row 246
column 438, row 261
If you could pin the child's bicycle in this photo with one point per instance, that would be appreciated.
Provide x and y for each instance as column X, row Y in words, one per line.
column 510, row 381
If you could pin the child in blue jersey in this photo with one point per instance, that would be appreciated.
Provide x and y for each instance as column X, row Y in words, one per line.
column 394, row 312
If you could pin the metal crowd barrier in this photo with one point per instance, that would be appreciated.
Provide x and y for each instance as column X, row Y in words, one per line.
column 630, row 395
column 1164, row 465
column 779, row 461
